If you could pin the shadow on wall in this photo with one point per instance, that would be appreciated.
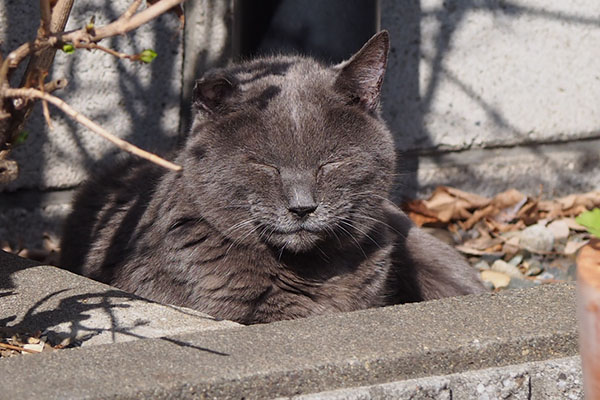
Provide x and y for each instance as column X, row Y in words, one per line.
column 145, row 94
column 138, row 102
column 408, row 98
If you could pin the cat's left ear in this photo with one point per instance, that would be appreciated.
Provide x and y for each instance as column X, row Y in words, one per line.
column 362, row 75
column 212, row 92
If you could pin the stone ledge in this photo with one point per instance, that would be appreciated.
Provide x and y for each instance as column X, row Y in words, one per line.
column 61, row 304
column 308, row 355
column 541, row 380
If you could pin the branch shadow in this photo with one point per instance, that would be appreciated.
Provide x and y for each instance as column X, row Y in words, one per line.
column 74, row 318
column 408, row 102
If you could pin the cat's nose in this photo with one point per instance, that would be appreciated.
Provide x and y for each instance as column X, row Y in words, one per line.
column 302, row 210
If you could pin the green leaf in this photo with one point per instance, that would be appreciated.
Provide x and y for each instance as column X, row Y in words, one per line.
column 21, row 137
column 68, row 48
column 148, row 55
column 591, row 220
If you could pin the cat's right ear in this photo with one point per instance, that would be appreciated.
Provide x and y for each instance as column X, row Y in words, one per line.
column 361, row 76
column 212, row 92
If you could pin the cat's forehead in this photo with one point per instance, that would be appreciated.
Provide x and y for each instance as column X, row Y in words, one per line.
column 284, row 75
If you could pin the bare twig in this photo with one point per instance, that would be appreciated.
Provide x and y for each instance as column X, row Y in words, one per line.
column 17, row 348
column 56, row 84
column 83, row 120
column 118, row 27
column 121, row 26
column 46, row 16
column 131, row 9
column 45, row 110
column 94, row 46
column 39, row 64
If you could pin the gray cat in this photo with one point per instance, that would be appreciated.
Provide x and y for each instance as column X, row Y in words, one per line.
column 282, row 207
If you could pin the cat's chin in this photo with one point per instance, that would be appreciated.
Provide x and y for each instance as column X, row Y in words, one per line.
column 297, row 242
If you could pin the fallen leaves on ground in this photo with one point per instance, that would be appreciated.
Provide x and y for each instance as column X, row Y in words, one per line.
column 14, row 343
column 47, row 253
column 539, row 238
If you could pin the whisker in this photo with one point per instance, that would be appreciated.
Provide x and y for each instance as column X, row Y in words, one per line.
column 365, row 234
column 381, row 222
column 353, row 239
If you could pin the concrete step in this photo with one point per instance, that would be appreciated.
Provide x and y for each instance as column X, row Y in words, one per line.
column 340, row 351
column 64, row 305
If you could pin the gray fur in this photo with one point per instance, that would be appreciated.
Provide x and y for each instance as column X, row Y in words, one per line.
column 281, row 210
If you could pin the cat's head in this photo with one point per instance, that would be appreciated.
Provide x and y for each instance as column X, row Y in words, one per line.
column 291, row 153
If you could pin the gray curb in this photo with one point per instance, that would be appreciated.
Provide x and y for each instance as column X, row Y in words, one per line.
column 312, row 355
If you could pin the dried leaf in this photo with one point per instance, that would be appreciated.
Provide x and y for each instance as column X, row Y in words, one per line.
column 573, row 247
column 559, row 229
column 449, row 203
column 478, row 215
column 483, row 243
column 511, row 246
column 509, row 203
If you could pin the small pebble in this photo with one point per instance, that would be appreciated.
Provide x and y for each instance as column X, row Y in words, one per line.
column 537, row 239
column 533, row 266
column 498, row 279
column 516, row 260
column 560, row 230
column 516, row 283
column 482, row 265
column 506, row 268
column 545, row 275
column 488, row 285
column 491, row 257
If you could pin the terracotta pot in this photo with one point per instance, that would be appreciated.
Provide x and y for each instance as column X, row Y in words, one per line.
column 588, row 313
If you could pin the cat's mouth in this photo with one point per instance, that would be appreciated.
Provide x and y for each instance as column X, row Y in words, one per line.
column 296, row 239
column 294, row 231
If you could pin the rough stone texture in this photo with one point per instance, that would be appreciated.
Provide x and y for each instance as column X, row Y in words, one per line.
column 466, row 74
column 319, row 354
column 550, row 169
column 553, row 379
column 65, row 305
column 135, row 101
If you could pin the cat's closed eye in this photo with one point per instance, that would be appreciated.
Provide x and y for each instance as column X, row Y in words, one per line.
column 267, row 168
column 328, row 167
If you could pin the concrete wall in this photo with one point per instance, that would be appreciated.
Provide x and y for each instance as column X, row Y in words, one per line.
column 481, row 94
column 480, row 74
column 136, row 101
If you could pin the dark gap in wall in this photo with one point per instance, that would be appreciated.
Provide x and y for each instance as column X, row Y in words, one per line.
column 330, row 30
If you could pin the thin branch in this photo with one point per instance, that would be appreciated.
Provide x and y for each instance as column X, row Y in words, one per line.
column 56, row 84
column 46, row 17
column 39, row 64
column 46, row 113
column 94, row 46
column 45, row 109
column 17, row 348
column 131, row 9
column 120, row 27
column 94, row 127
